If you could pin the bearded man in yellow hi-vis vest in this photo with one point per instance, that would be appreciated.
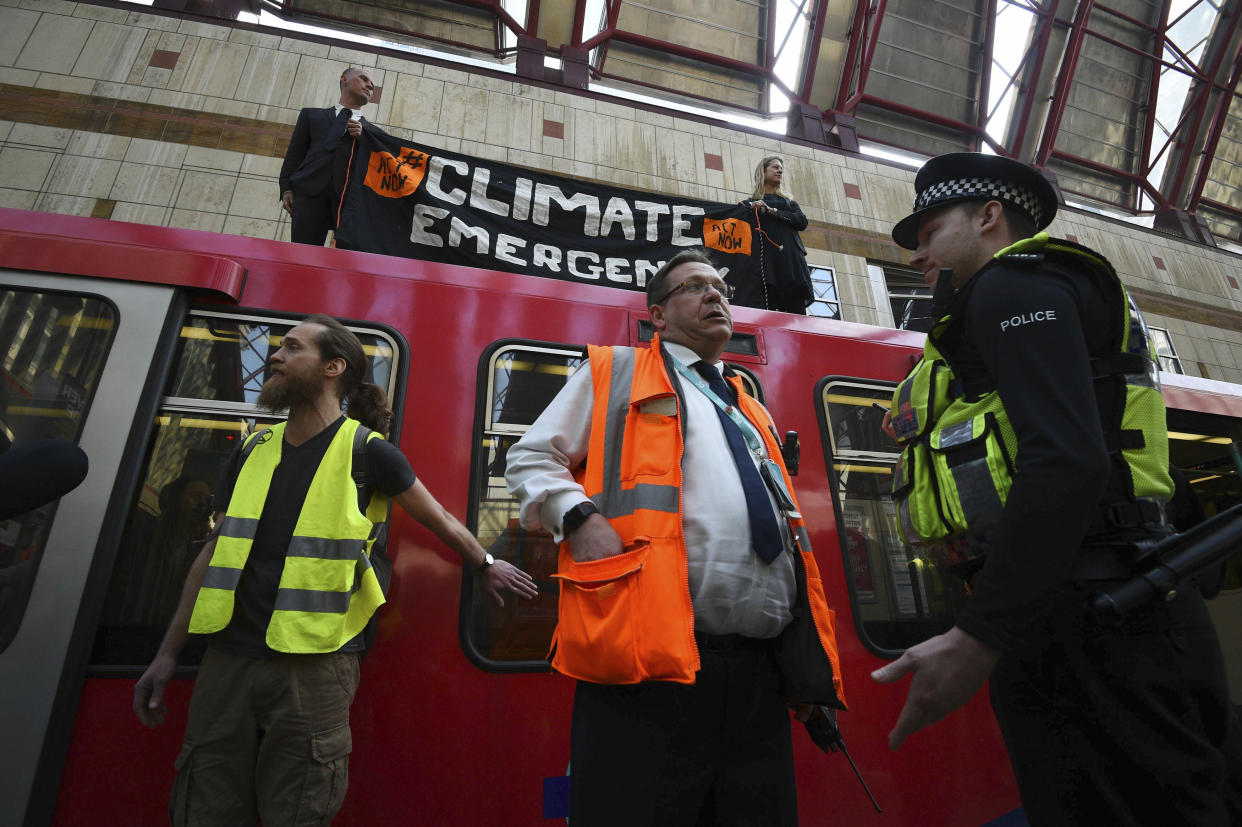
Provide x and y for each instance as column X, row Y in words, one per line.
column 285, row 589
column 691, row 609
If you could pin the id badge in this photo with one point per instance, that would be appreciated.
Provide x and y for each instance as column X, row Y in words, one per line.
column 775, row 481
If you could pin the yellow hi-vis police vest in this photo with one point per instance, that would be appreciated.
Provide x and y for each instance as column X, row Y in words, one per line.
column 328, row 589
column 959, row 455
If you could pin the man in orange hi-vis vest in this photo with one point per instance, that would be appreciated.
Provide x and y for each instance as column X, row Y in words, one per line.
column 691, row 610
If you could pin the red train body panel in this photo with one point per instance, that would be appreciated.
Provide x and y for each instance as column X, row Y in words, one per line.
column 437, row 739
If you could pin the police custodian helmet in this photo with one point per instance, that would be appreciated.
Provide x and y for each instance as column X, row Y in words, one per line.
column 973, row 176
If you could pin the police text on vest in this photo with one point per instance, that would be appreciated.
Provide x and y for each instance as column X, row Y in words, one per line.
column 1028, row 318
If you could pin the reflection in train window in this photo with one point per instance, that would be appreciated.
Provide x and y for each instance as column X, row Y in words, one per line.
column 208, row 409
column 52, row 351
column 224, row 358
column 1205, row 448
column 899, row 598
column 520, row 381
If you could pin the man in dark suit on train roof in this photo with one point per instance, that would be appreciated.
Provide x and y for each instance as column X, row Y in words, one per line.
column 286, row 587
column 691, row 609
column 312, row 178
column 1035, row 464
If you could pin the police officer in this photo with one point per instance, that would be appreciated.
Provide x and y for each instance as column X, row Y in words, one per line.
column 1035, row 461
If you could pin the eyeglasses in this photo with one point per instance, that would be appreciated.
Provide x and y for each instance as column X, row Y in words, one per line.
column 694, row 287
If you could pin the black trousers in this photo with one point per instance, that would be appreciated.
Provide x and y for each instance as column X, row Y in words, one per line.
column 1120, row 725
column 717, row 752
column 313, row 216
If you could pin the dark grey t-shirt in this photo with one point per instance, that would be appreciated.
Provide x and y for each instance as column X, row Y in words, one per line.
column 388, row 471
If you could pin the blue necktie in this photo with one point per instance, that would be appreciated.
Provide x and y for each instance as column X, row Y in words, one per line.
column 765, row 534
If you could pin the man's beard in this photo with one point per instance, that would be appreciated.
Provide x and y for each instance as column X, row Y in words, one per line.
column 288, row 390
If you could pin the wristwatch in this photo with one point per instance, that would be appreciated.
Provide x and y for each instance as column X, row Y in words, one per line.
column 576, row 516
column 488, row 559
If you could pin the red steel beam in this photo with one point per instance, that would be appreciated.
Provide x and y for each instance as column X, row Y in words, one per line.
column 982, row 116
column 864, row 68
column 1153, row 95
column 812, row 51
column 1219, row 117
column 1060, row 95
column 1043, row 34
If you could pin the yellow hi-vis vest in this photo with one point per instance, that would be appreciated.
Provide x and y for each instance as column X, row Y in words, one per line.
column 959, row 455
column 328, row 589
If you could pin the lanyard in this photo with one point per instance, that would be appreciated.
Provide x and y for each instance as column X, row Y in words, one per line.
column 742, row 423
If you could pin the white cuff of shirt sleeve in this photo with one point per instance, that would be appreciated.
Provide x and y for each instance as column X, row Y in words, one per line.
column 554, row 508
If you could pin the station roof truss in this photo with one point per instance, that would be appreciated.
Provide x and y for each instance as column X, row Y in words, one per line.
column 1132, row 105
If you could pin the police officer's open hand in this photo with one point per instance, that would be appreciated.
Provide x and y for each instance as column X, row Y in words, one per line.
column 502, row 577
column 948, row 670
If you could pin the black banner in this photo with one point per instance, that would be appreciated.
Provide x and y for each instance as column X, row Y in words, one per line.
column 404, row 199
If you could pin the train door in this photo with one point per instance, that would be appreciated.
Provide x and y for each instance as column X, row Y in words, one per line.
column 1204, row 448
column 205, row 405
column 76, row 357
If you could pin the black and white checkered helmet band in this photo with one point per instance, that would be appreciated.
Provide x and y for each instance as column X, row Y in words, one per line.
column 959, row 189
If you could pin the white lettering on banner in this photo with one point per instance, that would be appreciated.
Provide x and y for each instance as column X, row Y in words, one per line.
column 613, row 267
column 435, row 171
column 1029, row 318
column 545, row 194
column 653, row 211
column 571, row 264
column 643, row 269
column 507, row 245
column 617, row 212
column 478, row 194
column 681, row 225
column 521, row 198
column 459, row 229
column 546, row 256
column 424, row 216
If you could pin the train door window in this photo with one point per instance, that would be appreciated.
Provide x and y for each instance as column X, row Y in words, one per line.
column 1162, row 344
column 1205, row 450
column 53, row 347
column 518, row 382
column 899, row 599
column 209, row 407
column 909, row 298
column 826, row 305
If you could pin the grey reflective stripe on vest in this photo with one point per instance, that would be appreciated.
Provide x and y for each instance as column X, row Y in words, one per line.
column 612, row 501
column 218, row 577
column 804, row 539
column 323, row 549
column 976, row 491
column 307, row 600
column 242, row 528
column 958, row 434
column 904, row 402
column 311, row 600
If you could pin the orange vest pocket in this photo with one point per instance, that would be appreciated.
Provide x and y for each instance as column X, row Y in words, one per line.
column 606, row 608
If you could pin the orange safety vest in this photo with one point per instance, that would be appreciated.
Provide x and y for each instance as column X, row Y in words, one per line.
column 628, row 618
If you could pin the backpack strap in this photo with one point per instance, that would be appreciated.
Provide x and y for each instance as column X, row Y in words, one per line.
column 359, row 467
column 257, row 438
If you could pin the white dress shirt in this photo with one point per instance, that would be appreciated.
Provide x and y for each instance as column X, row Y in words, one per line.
column 732, row 589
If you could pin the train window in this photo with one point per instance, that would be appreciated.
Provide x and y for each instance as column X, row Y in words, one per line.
column 1205, row 450
column 827, row 304
column 909, row 297
column 208, row 408
column 52, row 351
column 899, row 599
column 224, row 358
column 520, row 382
column 1162, row 344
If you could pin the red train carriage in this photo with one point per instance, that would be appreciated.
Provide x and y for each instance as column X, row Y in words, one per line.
column 147, row 346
